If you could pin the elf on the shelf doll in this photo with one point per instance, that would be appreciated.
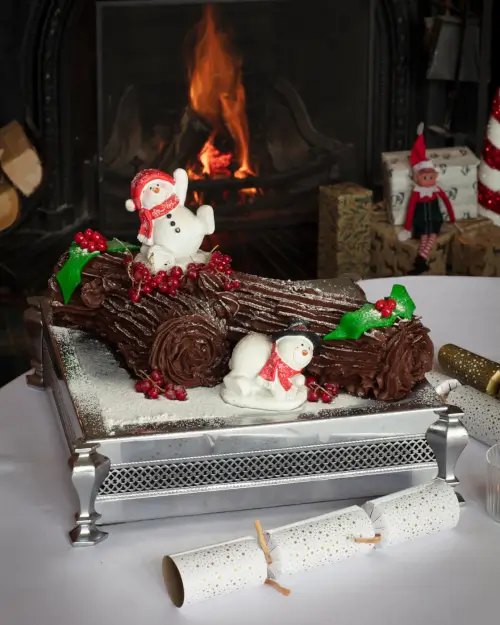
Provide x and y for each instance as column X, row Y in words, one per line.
column 423, row 215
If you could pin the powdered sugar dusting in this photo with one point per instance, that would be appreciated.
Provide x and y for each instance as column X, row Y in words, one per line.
column 100, row 387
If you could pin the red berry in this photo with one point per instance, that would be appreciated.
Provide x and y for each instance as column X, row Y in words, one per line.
column 173, row 282
column 147, row 289
column 153, row 393
column 138, row 275
column 332, row 388
column 154, row 282
column 101, row 246
column 139, row 386
column 390, row 303
column 96, row 236
column 146, row 385
column 170, row 394
column 181, row 394
column 134, row 295
column 228, row 285
column 386, row 311
column 326, row 398
column 228, row 271
column 161, row 275
column 312, row 395
column 311, row 382
column 78, row 238
column 236, row 284
column 217, row 254
column 176, row 272
column 227, row 259
column 170, row 387
column 380, row 304
column 171, row 290
column 127, row 260
column 92, row 246
column 192, row 274
column 88, row 233
column 163, row 288
column 156, row 376
column 84, row 244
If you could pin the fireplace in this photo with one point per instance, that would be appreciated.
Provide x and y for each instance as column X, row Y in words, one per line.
column 317, row 89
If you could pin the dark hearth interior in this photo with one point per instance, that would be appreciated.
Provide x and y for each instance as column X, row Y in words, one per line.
column 235, row 95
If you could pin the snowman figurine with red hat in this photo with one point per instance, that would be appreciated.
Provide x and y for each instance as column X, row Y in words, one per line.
column 170, row 233
column 423, row 216
column 265, row 372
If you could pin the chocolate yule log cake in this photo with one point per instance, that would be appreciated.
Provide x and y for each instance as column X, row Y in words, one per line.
column 189, row 336
column 181, row 318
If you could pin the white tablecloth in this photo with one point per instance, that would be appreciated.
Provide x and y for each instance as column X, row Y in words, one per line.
column 449, row 578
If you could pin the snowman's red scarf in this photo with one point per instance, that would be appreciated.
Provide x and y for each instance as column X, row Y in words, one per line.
column 276, row 368
column 147, row 216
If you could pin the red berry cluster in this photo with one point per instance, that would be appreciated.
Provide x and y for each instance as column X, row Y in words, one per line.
column 324, row 393
column 385, row 306
column 143, row 283
column 193, row 269
column 154, row 385
column 91, row 240
column 221, row 263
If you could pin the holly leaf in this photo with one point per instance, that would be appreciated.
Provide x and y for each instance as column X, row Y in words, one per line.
column 70, row 275
column 115, row 245
column 354, row 324
column 405, row 306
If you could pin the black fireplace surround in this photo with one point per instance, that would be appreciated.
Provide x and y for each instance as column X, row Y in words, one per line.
column 369, row 90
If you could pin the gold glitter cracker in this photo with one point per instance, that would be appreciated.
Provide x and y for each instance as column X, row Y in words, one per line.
column 470, row 369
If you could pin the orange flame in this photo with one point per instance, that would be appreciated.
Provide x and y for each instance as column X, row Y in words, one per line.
column 217, row 94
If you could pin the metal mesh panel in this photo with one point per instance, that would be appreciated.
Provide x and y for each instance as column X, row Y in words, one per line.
column 266, row 466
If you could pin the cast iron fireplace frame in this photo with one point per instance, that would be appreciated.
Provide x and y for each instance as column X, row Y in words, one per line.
column 42, row 84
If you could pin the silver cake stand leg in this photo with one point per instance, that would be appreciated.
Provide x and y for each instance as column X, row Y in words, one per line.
column 447, row 438
column 34, row 330
column 89, row 470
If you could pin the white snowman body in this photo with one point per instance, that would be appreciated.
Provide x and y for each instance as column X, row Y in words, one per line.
column 176, row 236
column 244, row 386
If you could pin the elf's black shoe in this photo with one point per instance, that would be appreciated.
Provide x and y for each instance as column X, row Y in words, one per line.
column 419, row 267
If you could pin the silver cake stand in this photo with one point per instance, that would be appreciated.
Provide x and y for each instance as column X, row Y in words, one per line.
column 182, row 468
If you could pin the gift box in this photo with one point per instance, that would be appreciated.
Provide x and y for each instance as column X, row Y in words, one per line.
column 457, row 169
column 344, row 230
column 390, row 257
column 476, row 251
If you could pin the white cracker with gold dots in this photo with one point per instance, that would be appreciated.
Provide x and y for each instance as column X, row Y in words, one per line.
column 481, row 415
column 193, row 576
column 414, row 512
column 318, row 541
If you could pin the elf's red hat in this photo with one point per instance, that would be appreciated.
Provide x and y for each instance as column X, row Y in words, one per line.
column 141, row 179
column 418, row 157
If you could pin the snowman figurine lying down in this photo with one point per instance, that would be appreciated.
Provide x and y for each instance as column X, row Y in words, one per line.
column 266, row 371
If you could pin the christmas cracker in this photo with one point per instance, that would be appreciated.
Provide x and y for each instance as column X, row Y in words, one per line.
column 471, row 369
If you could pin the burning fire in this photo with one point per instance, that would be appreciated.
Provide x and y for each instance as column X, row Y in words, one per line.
column 216, row 94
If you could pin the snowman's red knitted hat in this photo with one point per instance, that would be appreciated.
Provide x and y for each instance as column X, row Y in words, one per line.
column 143, row 178
column 418, row 156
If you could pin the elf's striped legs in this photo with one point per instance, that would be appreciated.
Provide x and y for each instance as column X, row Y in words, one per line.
column 426, row 244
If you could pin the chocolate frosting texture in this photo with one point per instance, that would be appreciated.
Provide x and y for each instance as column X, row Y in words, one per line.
column 192, row 350
column 189, row 336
